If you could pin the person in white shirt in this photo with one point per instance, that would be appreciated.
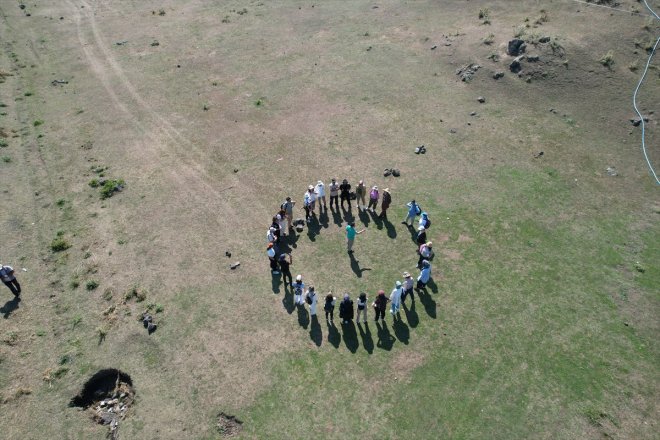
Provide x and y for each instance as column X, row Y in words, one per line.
column 298, row 289
column 270, row 235
column 320, row 195
column 395, row 298
column 408, row 284
column 309, row 200
column 362, row 308
column 270, row 251
column 9, row 279
column 311, row 299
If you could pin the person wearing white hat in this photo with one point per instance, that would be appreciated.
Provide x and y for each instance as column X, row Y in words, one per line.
column 408, row 284
column 334, row 193
column 298, row 289
column 9, row 279
column 373, row 199
column 320, row 195
column 395, row 298
column 309, row 200
column 385, row 204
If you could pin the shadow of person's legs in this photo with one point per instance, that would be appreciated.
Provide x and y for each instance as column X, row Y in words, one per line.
column 315, row 333
column 10, row 306
column 350, row 336
column 365, row 335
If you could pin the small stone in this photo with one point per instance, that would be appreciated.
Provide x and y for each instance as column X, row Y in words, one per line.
column 473, row 113
column 481, row 99
column 611, row 171
column 544, row 39
column 515, row 65
column 434, row 47
column 498, row 75
column 532, row 58
column 516, row 47
column 452, row 130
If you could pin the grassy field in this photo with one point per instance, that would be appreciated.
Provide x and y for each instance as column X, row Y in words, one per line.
column 542, row 321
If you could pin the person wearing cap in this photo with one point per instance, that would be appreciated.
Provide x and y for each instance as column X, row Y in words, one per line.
column 424, row 220
column 421, row 235
column 373, row 199
column 424, row 275
column 329, row 306
column 425, row 253
column 287, row 207
column 346, row 309
column 345, row 193
column 270, row 251
column 413, row 211
column 350, row 236
column 284, row 268
column 362, row 308
column 334, row 193
column 395, row 298
column 320, row 195
column 9, row 279
column 407, row 287
column 311, row 299
column 308, row 203
column 380, row 305
column 385, row 203
column 361, row 194
column 298, row 289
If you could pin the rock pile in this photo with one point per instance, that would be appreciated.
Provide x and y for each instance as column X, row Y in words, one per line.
column 467, row 72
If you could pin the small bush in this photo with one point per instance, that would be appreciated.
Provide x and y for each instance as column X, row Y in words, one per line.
column 6, row 159
column 38, row 122
column 494, row 56
column 607, row 60
column 110, row 187
column 91, row 285
column 74, row 284
column 489, row 39
column 59, row 244
column 60, row 202
column 137, row 293
column 94, row 183
column 3, row 143
column 543, row 18
column 28, row 94
column 633, row 66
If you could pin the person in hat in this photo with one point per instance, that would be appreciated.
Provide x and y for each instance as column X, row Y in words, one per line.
column 385, row 204
column 272, row 257
column 413, row 211
column 373, row 199
column 380, row 305
column 345, row 193
column 407, row 287
column 308, row 203
column 350, row 236
column 320, row 195
column 298, row 289
column 9, row 279
column 424, row 275
column 284, row 268
column 421, row 235
column 270, row 235
column 362, row 308
column 346, row 309
column 361, row 194
column 334, row 193
column 425, row 253
column 329, row 306
column 424, row 220
column 311, row 299
column 395, row 298
column 281, row 222
column 287, row 207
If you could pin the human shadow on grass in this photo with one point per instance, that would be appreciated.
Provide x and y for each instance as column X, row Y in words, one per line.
column 10, row 306
column 290, row 240
column 432, row 286
column 303, row 317
column 276, row 282
column 428, row 302
column 313, row 228
column 385, row 338
column 355, row 266
column 413, row 234
column 334, row 338
column 348, row 215
column 315, row 333
column 350, row 336
column 336, row 216
column 323, row 218
column 365, row 335
column 391, row 230
column 411, row 314
column 401, row 330
column 287, row 300
column 364, row 217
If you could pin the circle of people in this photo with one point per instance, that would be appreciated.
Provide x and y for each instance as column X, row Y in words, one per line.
column 280, row 262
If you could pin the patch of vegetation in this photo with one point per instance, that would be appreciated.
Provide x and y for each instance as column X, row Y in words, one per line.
column 225, row 19
column 484, row 16
column 91, row 285
column 542, row 18
column 74, row 284
column 60, row 202
column 40, row 332
column 259, row 102
column 94, row 183
column 110, row 187
column 38, row 122
column 489, row 39
column 28, row 94
column 10, row 338
column 137, row 293
column 494, row 56
column 205, row 107
column 633, row 66
column 75, row 321
column 607, row 60
column 102, row 332
column 59, row 244
column 107, row 294
column 6, row 159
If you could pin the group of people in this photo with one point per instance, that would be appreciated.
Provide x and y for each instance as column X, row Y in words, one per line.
column 341, row 194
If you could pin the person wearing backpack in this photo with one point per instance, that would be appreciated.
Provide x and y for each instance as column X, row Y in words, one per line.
column 298, row 289
column 380, row 305
column 329, row 306
column 9, row 279
column 424, row 221
column 373, row 199
column 385, row 204
column 362, row 308
column 360, row 195
column 395, row 298
column 345, row 193
column 424, row 275
column 334, row 193
column 346, row 309
column 413, row 211
column 311, row 299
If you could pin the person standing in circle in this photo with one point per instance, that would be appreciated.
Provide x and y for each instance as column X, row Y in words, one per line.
column 298, row 289
column 329, row 306
column 362, row 308
column 345, row 193
column 346, row 309
column 287, row 207
column 373, row 199
column 350, row 236
column 284, row 267
column 334, row 193
column 421, row 235
column 308, row 203
column 425, row 253
column 395, row 298
column 407, row 287
column 311, row 299
column 424, row 275
column 361, row 194
column 272, row 257
column 380, row 305
column 9, row 279
column 320, row 194
column 385, row 204
column 413, row 211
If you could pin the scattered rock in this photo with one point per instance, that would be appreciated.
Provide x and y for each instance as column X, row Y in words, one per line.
column 515, row 65
column 481, row 99
column 121, row 43
column 387, row 172
column 532, row 58
column 466, row 72
column 473, row 113
column 452, row 130
column 498, row 75
column 235, row 170
column 434, row 47
column 636, row 121
column 396, row 172
column 155, row 43
column 235, row 265
column 56, row 82
column 229, row 426
column 22, row 6
column 544, row 39
column 516, row 47
column 539, row 154
column 611, row 171
column 227, row 254
column 420, row 150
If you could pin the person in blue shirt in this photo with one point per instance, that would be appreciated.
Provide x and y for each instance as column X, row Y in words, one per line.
column 413, row 211
column 424, row 275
